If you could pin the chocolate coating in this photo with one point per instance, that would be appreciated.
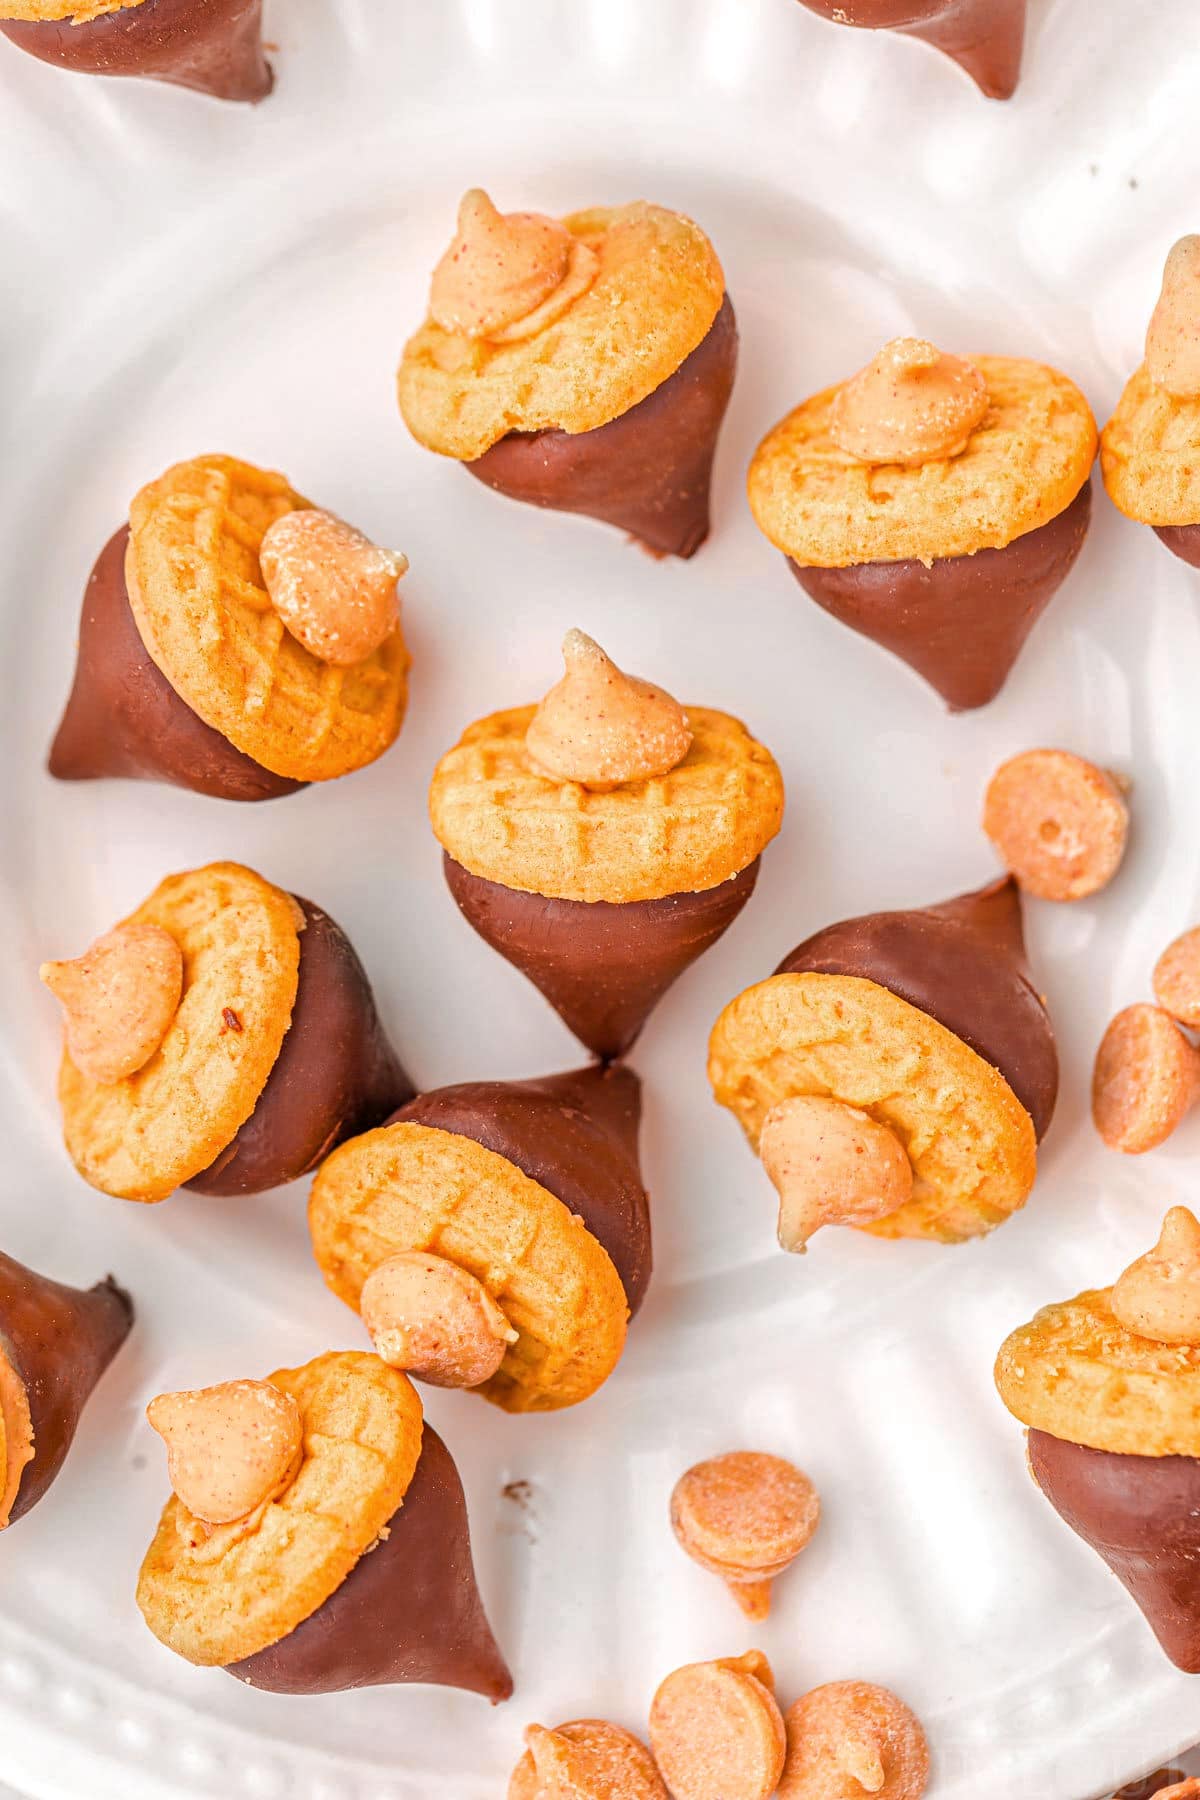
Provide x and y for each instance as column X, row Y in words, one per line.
column 575, row 1135
column 985, row 37
column 409, row 1610
column 963, row 963
column 1182, row 541
column 125, row 719
column 59, row 1341
column 1142, row 1515
column 336, row 1074
column 648, row 471
column 961, row 623
column 602, row 966
column 212, row 46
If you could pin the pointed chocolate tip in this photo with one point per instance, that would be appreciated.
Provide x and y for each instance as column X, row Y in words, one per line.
column 213, row 47
column 994, row 912
column 984, row 37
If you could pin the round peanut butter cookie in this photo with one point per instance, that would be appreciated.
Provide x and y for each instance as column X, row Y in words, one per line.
column 1076, row 1372
column 217, row 1594
column 970, row 1141
column 202, row 608
column 657, row 291
column 143, row 1137
column 1022, row 466
column 413, row 1187
column 1150, row 454
column 682, row 832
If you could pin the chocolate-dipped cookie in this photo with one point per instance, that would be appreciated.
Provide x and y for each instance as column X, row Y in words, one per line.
column 581, row 364
column 1108, row 1385
column 223, row 1038
column 55, row 1344
column 1150, row 448
column 896, row 1072
column 495, row 1234
column 933, row 504
column 984, row 37
column 603, row 840
column 317, row 1536
column 212, row 46
column 235, row 641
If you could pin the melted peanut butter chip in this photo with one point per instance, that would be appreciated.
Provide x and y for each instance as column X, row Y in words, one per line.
column 601, row 727
column 16, row 1436
column 1158, row 1296
column 745, row 1516
column 335, row 590
column 1177, row 978
column 1058, row 823
column 912, row 404
column 587, row 1759
column 118, row 999
column 1145, row 1081
column 507, row 275
column 851, row 1738
column 716, row 1731
column 231, row 1448
column 434, row 1319
column 831, row 1165
column 1173, row 337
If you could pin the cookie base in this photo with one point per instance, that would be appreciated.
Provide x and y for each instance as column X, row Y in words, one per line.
column 211, row 46
column 1182, row 541
column 984, row 37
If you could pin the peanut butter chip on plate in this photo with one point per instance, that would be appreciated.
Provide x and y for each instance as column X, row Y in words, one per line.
column 1058, row 823
column 1146, row 1078
column 333, row 588
column 601, row 727
column 435, row 1319
column 1177, row 979
column 230, row 1448
column 831, row 1165
column 849, row 1739
column 745, row 1516
column 1158, row 1296
column 911, row 404
column 716, row 1731
column 586, row 1759
column 118, row 999
column 1173, row 335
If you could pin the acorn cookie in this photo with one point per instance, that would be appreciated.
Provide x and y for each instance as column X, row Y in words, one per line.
column 984, row 37
column 55, row 1344
column 282, row 1487
column 933, row 504
column 223, row 1038
column 1108, row 1385
column 235, row 640
column 495, row 1234
column 1150, row 448
column 581, row 364
column 603, row 840
column 897, row 1072
column 213, row 46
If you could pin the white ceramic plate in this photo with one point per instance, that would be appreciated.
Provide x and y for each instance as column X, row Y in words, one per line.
column 177, row 277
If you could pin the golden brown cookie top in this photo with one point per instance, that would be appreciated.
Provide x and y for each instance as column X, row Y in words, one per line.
column 970, row 1141
column 142, row 1137
column 700, row 824
column 1023, row 465
column 197, row 592
column 217, row 1595
column 1150, row 454
column 414, row 1187
column 80, row 12
column 656, row 292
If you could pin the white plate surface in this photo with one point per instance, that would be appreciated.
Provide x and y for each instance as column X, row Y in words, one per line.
column 177, row 277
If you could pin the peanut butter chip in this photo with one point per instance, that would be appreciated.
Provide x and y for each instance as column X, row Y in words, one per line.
column 1158, row 1296
column 229, row 1448
column 831, row 1165
column 1181, row 1790
column 587, row 1759
column 745, row 1516
column 118, row 998
column 1177, row 978
column 716, row 1731
column 1058, row 823
column 601, row 727
column 1146, row 1078
column 850, row 1738
column 506, row 275
column 333, row 588
column 912, row 404
column 1173, row 337
column 435, row 1319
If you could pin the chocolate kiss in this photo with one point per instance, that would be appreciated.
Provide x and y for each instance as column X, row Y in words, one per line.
column 59, row 1341
column 1142, row 1515
column 125, row 719
column 575, row 1135
column 213, row 46
column 602, row 966
column 408, row 1611
column 963, row 963
column 985, row 37
column 649, row 470
column 1182, row 541
column 336, row 1074
column 961, row 623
